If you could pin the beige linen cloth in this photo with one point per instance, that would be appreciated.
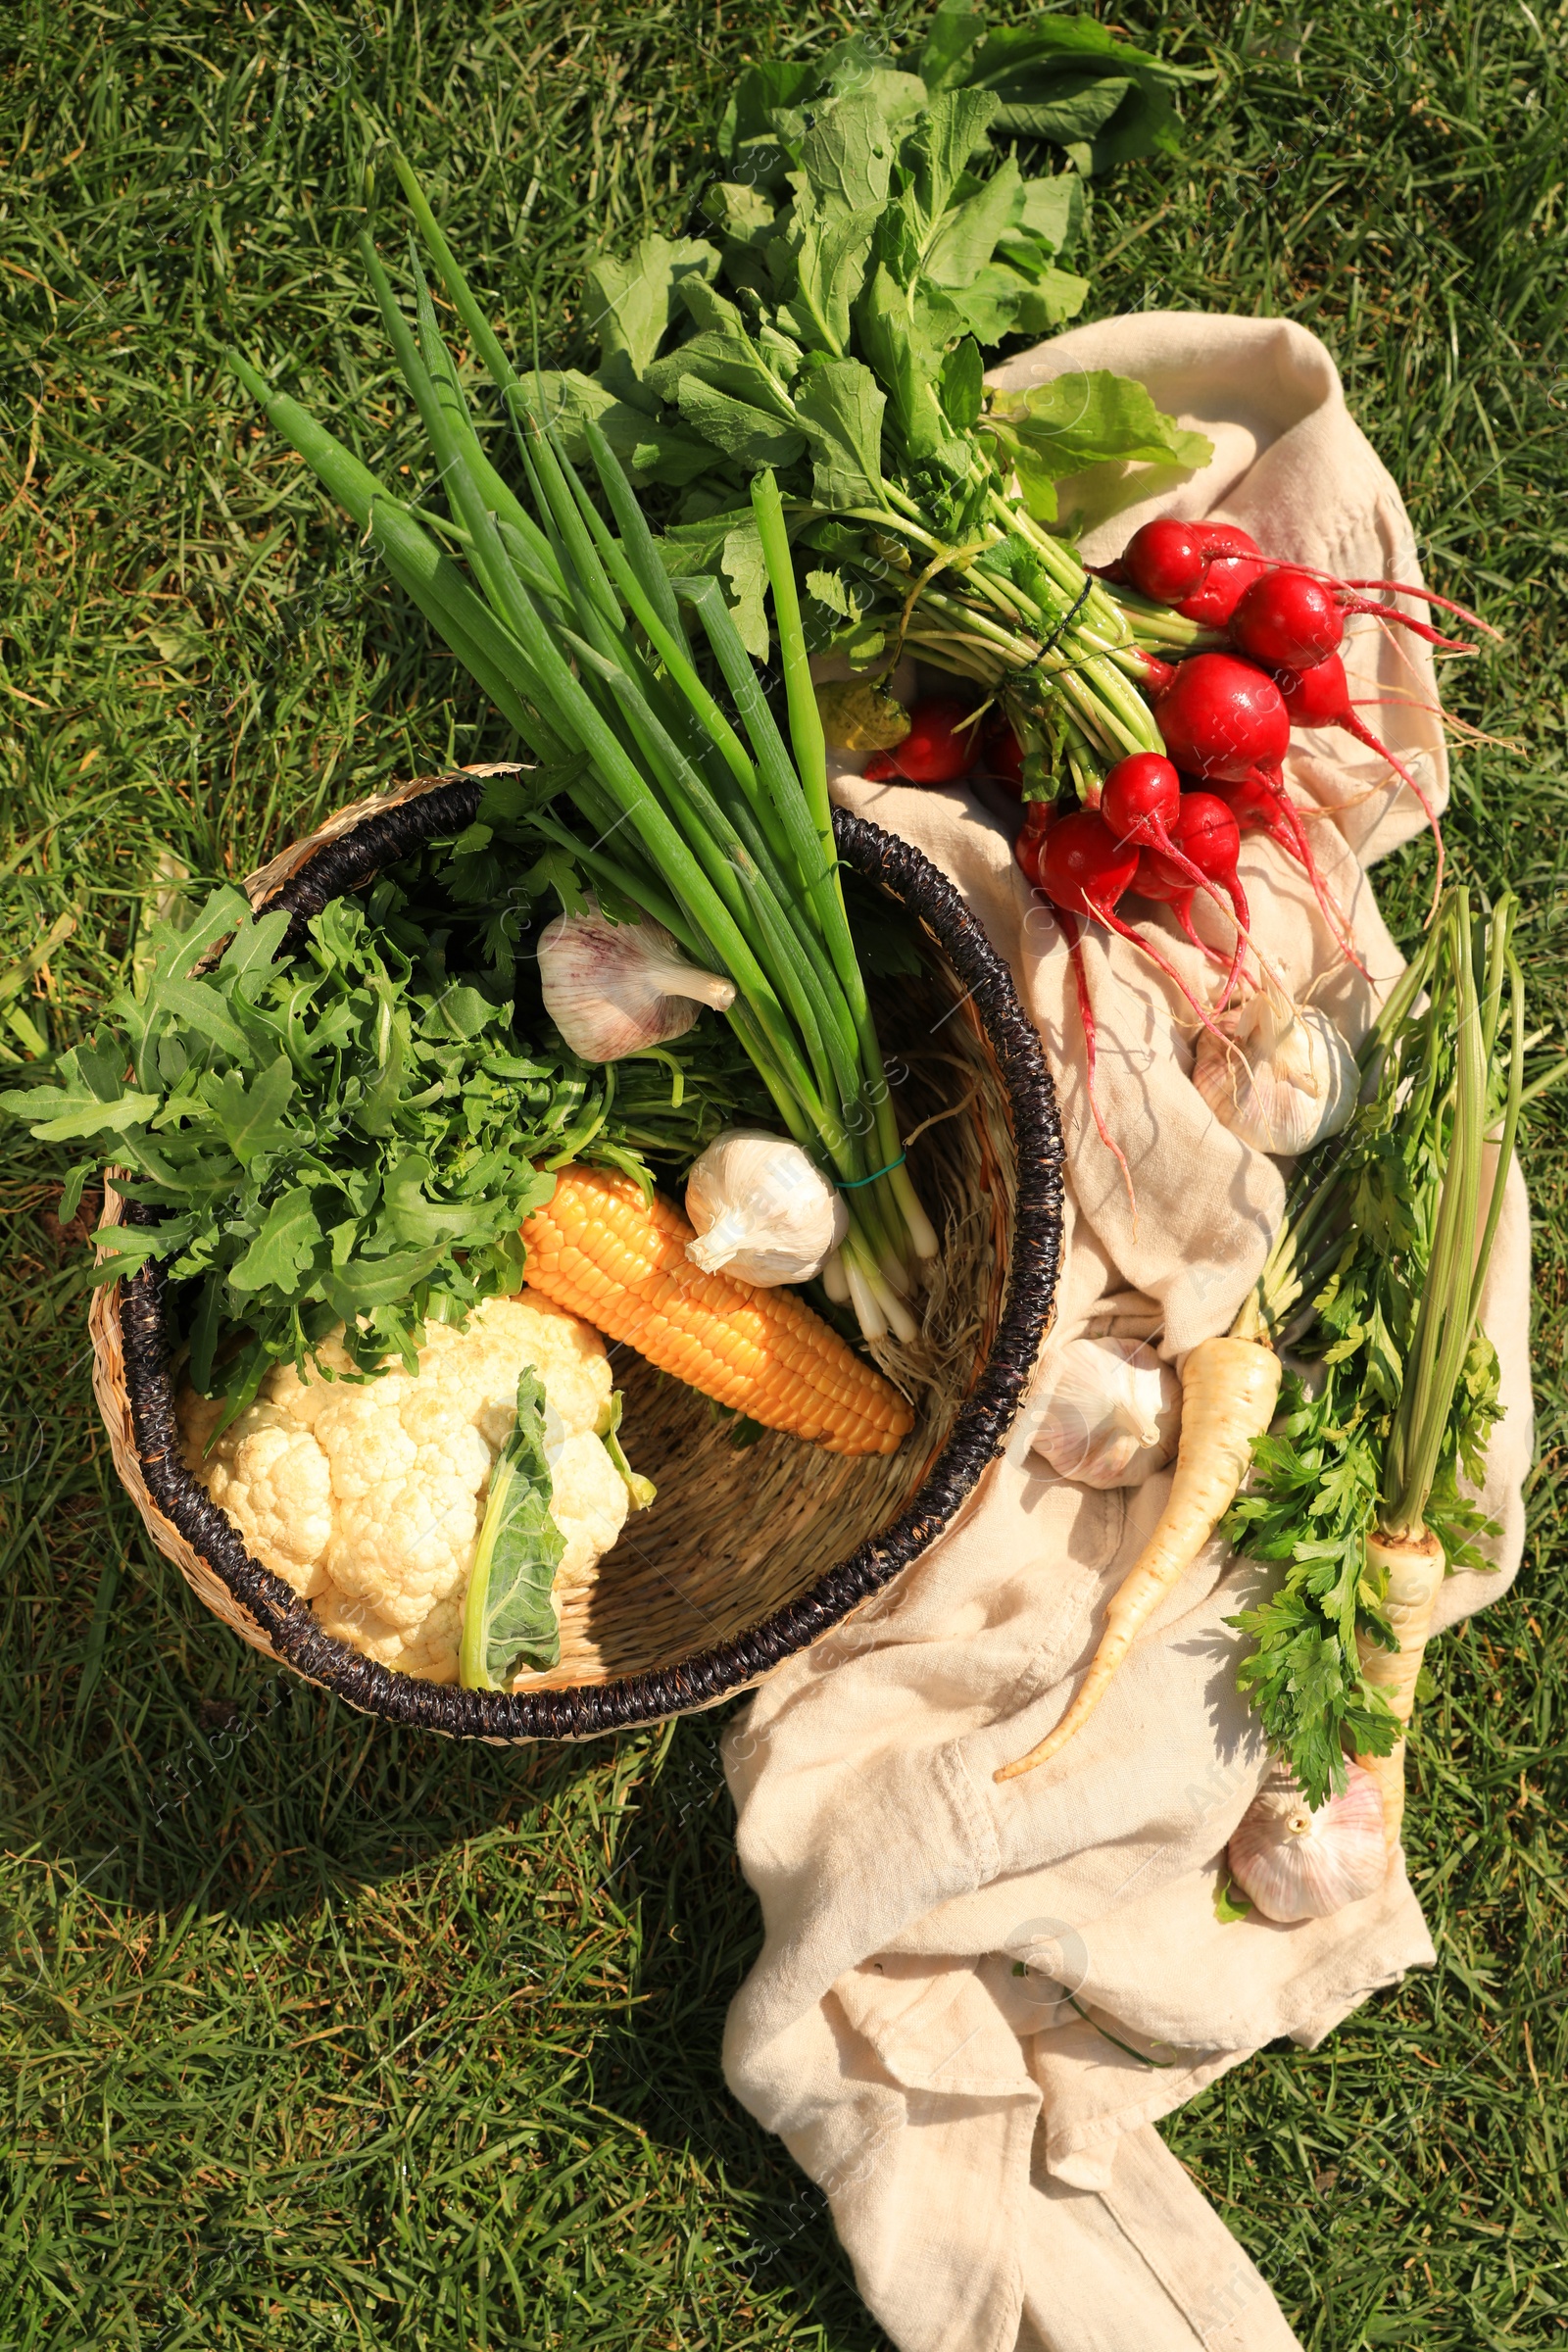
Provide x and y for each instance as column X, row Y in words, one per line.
column 986, row 2142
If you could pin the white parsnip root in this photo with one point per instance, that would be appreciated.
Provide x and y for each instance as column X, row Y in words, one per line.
column 1229, row 1391
column 1413, row 1567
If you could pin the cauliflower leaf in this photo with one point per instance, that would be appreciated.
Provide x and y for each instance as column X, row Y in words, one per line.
column 510, row 1614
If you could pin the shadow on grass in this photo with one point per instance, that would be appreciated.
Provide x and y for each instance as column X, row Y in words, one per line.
column 179, row 1808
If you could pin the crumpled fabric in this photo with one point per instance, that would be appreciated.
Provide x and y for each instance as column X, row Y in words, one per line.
column 974, row 2001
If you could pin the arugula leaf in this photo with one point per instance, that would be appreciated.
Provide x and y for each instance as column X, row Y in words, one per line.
column 284, row 1246
column 508, row 1614
column 78, row 1108
column 251, row 1117
column 367, row 1150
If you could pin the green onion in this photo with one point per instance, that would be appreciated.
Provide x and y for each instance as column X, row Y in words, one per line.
column 708, row 822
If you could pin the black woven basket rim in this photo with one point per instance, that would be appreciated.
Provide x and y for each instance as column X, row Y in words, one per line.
column 978, row 1433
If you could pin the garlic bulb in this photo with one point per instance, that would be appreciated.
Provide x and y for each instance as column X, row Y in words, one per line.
column 612, row 988
column 1296, row 1863
column 762, row 1210
column 1288, row 1078
column 1108, row 1414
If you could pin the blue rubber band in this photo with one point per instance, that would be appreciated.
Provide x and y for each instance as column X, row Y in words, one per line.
column 855, row 1186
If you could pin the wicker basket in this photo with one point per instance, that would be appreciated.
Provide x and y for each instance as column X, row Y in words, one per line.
column 747, row 1555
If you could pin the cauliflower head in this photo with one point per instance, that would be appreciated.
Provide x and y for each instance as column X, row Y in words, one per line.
column 366, row 1497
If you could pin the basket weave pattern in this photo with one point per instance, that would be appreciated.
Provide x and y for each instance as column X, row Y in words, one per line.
column 747, row 1555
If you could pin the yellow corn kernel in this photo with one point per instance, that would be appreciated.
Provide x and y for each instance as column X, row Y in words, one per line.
column 603, row 1253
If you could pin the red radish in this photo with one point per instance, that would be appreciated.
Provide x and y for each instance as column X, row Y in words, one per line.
column 1221, row 718
column 1141, row 797
column 1260, row 803
column 1158, row 677
column 1204, row 845
column 1141, row 800
column 1158, row 878
column 1288, row 620
column 1083, row 866
column 1315, row 697
column 1040, row 820
column 939, row 748
column 1426, row 596
column 1254, row 803
column 1206, row 835
column 1085, row 869
column 1291, row 618
column 1226, row 580
column 1232, row 561
column 1086, row 1021
column 1320, row 697
column 1165, row 559
column 1005, row 755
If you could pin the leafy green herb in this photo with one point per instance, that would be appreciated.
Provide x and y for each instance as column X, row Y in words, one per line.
column 509, row 1615
column 870, row 245
column 355, row 1136
column 1375, row 1281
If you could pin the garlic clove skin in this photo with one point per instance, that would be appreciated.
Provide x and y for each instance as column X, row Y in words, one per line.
column 1287, row 1080
column 613, row 987
column 761, row 1211
column 1293, row 1863
column 1108, row 1412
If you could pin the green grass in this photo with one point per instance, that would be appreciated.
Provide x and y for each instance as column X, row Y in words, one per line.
column 318, row 2032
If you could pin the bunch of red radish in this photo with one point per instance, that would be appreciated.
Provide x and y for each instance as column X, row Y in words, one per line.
column 1226, row 717
column 1170, row 829
column 1150, row 838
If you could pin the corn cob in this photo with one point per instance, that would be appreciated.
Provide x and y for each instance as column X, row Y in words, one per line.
column 603, row 1253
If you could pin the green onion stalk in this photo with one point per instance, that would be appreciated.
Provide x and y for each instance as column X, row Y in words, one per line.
column 720, row 831
column 1375, row 1283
